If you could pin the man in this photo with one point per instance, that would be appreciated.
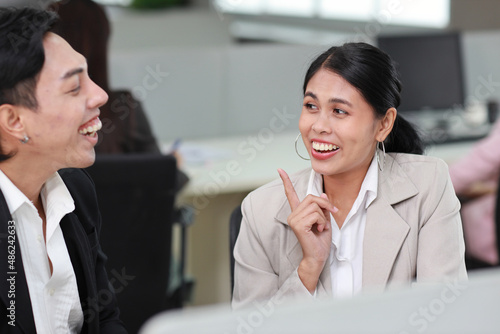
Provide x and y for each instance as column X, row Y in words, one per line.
column 52, row 274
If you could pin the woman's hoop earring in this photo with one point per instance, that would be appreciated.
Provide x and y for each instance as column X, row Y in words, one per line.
column 25, row 139
column 297, row 150
column 380, row 160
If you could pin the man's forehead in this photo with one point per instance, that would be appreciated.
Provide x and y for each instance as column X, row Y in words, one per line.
column 60, row 58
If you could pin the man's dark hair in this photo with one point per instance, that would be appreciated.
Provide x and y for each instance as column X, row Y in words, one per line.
column 21, row 56
column 21, row 53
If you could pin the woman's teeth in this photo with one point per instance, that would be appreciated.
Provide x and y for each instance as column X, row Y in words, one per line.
column 91, row 130
column 322, row 147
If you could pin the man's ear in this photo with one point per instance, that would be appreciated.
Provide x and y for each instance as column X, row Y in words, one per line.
column 11, row 121
column 386, row 124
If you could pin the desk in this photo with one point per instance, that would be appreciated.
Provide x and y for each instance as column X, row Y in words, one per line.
column 223, row 171
column 239, row 163
column 454, row 307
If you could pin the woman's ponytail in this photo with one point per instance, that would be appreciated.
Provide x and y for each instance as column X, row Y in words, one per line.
column 404, row 138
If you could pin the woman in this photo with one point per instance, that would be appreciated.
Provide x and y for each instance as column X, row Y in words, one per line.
column 370, row 213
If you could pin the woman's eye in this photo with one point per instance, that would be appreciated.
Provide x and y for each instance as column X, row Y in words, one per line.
column 310, row 106
column 340, row 111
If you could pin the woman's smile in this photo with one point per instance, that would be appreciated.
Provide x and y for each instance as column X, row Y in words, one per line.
column 338, row 126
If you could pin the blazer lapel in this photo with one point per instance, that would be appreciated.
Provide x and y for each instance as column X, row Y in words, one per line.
column 385, row 230
column 293, row 248
column 80, row 254
column 24, row 315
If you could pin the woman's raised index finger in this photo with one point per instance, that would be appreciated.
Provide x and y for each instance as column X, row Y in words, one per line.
column 290, row 193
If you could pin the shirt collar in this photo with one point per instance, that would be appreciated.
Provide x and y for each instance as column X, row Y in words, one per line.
column 57, row 202
column 13, row 196
column 368, row 187
column 55, row 196
column 370, row 183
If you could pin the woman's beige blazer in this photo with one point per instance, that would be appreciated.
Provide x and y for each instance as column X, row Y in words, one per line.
column 413, row 234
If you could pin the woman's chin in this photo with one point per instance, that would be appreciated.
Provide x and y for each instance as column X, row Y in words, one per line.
column 323, row 168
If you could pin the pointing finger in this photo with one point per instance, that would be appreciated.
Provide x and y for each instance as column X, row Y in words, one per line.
column 290, row 193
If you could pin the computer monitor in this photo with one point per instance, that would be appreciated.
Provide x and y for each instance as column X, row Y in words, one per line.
column 431, row 70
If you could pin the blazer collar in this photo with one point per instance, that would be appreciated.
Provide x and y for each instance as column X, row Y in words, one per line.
column 394, row 183
column 79, row 252
column 385, row 230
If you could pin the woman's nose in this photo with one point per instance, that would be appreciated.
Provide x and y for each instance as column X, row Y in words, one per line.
column 322, row 124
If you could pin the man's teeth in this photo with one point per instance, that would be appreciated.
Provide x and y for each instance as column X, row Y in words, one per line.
column 91, row 129
column 324, row 147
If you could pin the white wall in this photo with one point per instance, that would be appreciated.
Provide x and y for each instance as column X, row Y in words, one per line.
column 482, row 64
column 170, row 28
column 215, row 87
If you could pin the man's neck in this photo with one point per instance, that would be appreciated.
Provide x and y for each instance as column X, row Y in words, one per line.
column 28, row 178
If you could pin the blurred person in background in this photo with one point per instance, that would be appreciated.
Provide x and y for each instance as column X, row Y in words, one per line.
column 126, row 129
column 125, row 126
column 475, row 178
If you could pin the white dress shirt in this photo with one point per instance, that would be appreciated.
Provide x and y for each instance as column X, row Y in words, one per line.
column 54, row 297
column 346, row 254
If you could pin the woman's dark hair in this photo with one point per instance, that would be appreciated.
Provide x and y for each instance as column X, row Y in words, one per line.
column 22, row 55
column 85, row 26
column 373, row 73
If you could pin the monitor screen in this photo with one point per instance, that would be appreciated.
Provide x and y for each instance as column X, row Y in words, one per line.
column 431, row 70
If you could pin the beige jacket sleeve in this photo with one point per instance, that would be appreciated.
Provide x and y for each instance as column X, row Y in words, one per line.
column 257, row 272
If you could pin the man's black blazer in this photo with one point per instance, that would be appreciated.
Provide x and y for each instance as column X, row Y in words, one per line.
column 81, row 232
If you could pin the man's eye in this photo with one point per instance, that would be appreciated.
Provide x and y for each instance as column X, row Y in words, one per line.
column 75, row 90
column 340, row 111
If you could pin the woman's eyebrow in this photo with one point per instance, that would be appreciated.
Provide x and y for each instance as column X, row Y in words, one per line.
column 332, row 100
column 342, row 101
column 311, row 94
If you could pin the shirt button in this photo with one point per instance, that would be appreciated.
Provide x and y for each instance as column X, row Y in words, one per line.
column 51, row 292
column 39, row 238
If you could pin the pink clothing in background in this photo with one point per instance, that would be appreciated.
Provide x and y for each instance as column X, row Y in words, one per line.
column 482, row 163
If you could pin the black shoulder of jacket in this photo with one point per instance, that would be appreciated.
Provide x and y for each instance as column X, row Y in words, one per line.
column 82, row 189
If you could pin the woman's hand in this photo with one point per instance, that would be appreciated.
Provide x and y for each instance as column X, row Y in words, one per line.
column 310, row 221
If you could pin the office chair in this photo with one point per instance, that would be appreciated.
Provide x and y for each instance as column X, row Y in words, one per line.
column 136, row 198
column 234, row 230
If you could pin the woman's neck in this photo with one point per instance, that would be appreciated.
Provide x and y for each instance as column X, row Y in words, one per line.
column 342, row 191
